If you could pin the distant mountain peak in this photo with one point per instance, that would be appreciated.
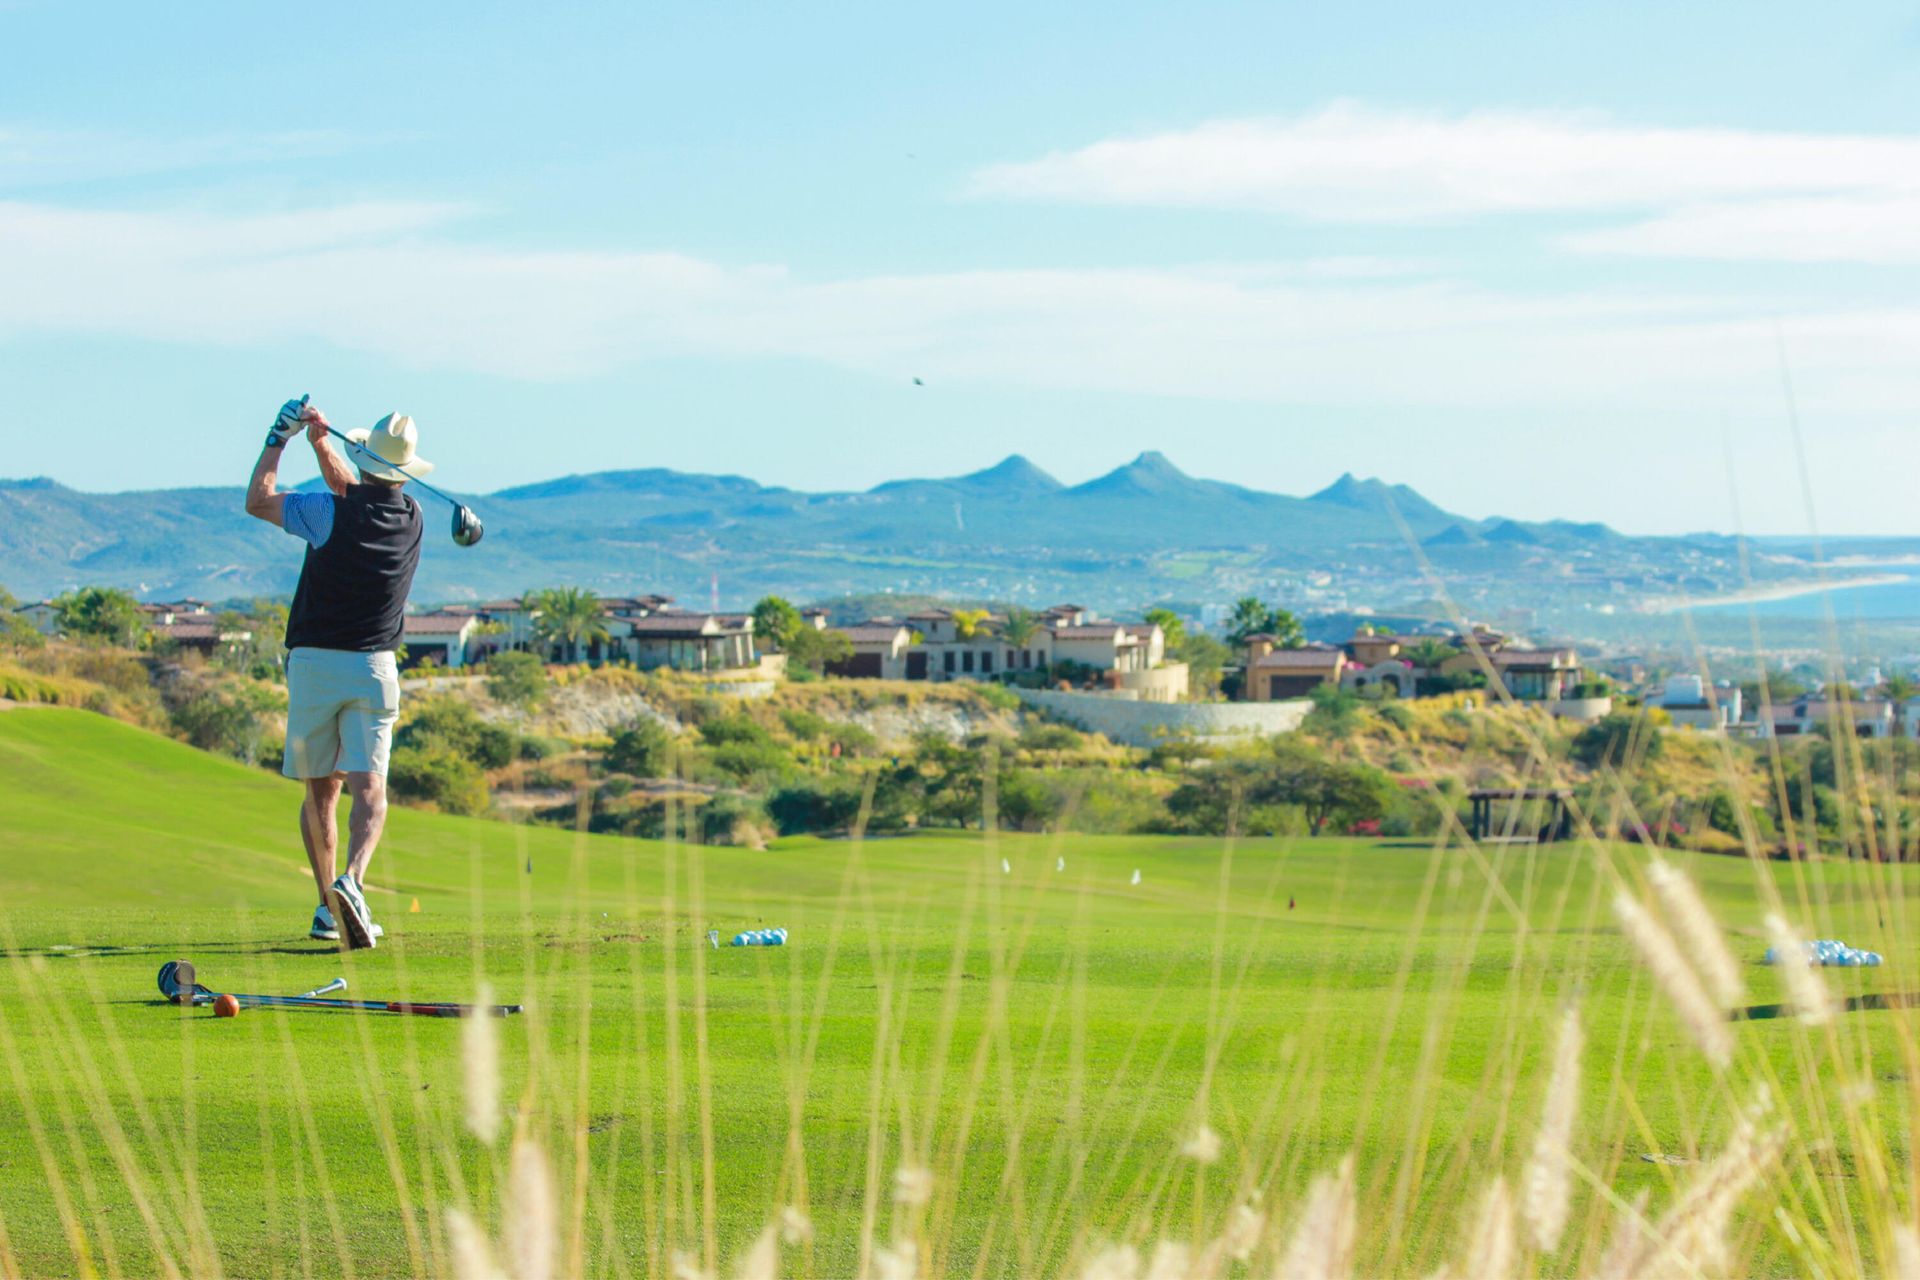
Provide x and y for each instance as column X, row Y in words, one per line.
column 1152, row 474
column 1375, row 494
column 1015, row 473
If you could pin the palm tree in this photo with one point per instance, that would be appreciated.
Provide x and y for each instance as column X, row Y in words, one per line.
column 1899, row 690
column 967, row 622
column 1429, row 654
column 570, row 616
column 1020, row 627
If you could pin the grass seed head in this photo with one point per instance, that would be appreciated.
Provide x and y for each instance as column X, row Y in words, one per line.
column 1203, row 1147
column 1321, row 1247
column 912, row 1185
column 1699, row 932
column 1170, row 1260
column 1244, row 1228
column 480, row 1059
column 900, row 1261
column 472, row 1258
column 1676, row 979
column 1116, row 1262
column 1906, row 1252
column 531, row 1214
column 795, row 1226
column 761, row 1261
column 1546, row 1185
column 1807, row 991
column 1492, row 1249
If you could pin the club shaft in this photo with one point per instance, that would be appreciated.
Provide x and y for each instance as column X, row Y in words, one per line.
column 334, row 431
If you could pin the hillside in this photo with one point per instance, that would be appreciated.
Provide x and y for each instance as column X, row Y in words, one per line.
column 1003, row 526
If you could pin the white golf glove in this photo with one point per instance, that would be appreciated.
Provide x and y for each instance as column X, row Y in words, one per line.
column 289, row 424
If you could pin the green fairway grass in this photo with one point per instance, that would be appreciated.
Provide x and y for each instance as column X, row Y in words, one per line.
column 1043, row 1040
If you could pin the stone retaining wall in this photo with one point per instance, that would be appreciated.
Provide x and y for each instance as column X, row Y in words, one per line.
column 1144, row 724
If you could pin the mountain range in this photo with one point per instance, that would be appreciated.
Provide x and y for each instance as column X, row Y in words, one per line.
column 656, row 529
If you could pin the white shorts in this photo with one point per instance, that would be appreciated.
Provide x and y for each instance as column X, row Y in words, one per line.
column 340, row 712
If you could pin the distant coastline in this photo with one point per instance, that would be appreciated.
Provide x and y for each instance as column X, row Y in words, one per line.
column 1771, row 592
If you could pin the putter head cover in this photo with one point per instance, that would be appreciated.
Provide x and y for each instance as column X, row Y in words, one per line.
column 467, row 528
column 177, row 981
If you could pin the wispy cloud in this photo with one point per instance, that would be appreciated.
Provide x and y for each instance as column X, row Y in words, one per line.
column 1881, row 228
column 395, row 279
column 1354, row 163
column 31, row 157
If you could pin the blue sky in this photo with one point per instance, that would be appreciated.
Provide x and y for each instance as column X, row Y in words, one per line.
column 1536, row 260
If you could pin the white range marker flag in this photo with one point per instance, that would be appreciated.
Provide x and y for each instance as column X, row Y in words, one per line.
column 1059, row 864
column 1006, row 868
column 1136, row 875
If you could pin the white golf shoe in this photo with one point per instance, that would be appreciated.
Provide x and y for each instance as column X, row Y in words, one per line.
column 350, row 912
column 324, row 930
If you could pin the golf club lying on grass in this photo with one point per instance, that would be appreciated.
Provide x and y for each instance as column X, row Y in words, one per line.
column 467, row 528
column 177, row 984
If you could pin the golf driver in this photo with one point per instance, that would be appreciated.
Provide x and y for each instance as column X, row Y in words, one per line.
column 467, row 528
column 177, row 984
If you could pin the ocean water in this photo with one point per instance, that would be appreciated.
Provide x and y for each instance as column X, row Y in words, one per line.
column 1893, row 601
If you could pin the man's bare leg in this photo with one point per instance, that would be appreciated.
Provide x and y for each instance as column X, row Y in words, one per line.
column 367, row 820
column 320, row 829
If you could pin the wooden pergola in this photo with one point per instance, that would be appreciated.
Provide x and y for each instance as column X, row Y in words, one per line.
column 1559, row 824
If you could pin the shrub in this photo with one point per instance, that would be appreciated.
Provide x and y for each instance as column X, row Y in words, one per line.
column 852, row 740
column 751, row 759
column 732, row 819
column 643, row 749
column 231, row 722
column 1607, row 742
column 517, row 679
column 452, row 725
column 734, row 729
column 803, row 724
column 999, row 697
column 536, row 748
column 1397, row 714
column 439, row 776
column 816, row 804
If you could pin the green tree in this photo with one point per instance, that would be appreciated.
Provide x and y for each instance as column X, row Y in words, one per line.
column 1336, row 712
column 643, row 749
column 1325, row 789
column 1428, row 654
column 776, row 621
column 1171, row 625
column 968, row 623
column 102, row 613
column 1021, row 626
column 1899, row 688
column 570, row 617
column 1616, row 739
column 815, row 650
column 517, row 679
column 15, row 631
column 1251, row 617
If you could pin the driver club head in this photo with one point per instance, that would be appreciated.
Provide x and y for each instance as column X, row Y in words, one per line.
column 467, row 528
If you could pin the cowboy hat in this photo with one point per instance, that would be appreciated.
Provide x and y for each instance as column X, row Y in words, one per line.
column 386, row 451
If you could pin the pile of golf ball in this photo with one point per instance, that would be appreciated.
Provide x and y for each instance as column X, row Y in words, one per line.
column 1831, row 951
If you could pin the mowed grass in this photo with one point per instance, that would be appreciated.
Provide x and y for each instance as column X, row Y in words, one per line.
column 1044, row 1040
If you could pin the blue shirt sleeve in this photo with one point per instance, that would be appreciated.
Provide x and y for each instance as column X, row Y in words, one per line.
column 308, row 516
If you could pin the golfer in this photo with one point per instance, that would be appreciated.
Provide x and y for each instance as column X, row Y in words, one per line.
column 343, row 685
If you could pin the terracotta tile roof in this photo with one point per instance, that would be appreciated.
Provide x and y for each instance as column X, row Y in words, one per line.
column 687, row 624
column 207, row 631
column 438, row 624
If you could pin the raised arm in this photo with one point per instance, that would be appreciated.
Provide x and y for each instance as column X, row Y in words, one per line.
column 264, row 499
column 333, row 468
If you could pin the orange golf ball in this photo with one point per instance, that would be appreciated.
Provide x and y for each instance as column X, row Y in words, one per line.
column 225, row 1006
